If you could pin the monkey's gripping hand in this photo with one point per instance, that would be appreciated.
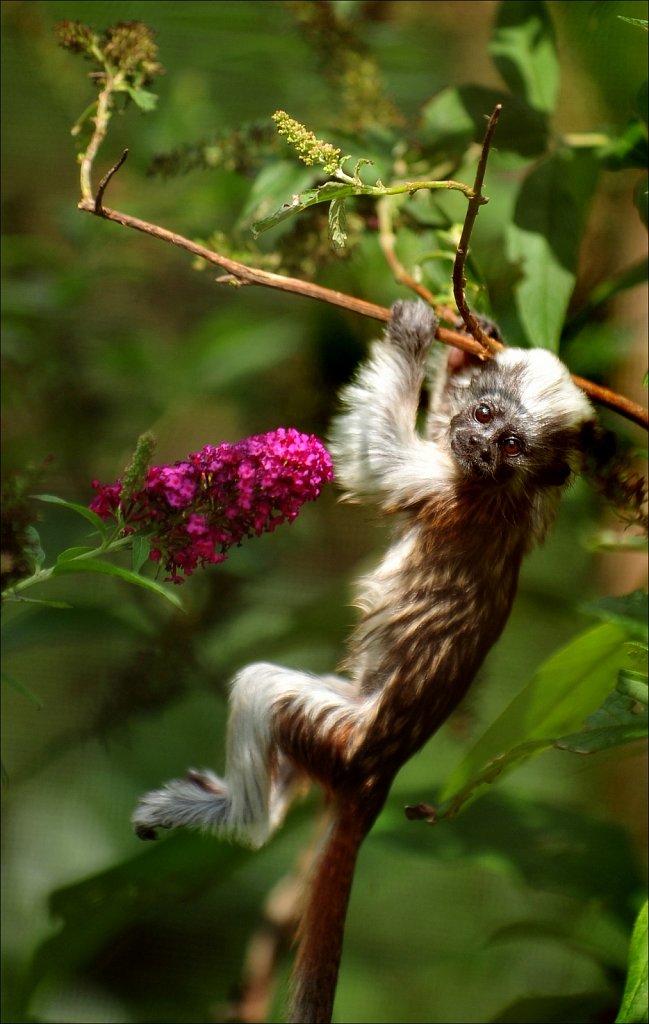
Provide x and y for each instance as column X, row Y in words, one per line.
column 376, row 448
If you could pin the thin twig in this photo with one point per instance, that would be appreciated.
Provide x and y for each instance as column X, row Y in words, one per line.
column 475, row 202
column 387, row 241
column 99, row 208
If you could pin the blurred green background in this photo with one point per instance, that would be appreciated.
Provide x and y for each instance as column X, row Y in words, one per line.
column 518, row 911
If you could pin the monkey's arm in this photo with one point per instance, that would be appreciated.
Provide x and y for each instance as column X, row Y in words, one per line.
column 376, row 448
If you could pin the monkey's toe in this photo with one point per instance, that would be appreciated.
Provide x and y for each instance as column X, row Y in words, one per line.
column 145, row 832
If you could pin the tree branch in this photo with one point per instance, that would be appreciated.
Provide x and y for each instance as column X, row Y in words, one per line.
column 243, row 274
column 240, row 273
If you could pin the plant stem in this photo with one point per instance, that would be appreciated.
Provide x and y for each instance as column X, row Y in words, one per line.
column 101, row 119
column 109, row 547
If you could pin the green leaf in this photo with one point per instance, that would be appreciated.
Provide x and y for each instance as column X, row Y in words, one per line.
column 638, row 22
column 542, row 840
column 175, row 869
column 337, row 223
column 141, row 550
column 21, row 688
column 323, row 194
column 634, row 685
column 626, row 150
column 524, row 51
column 95, row 909
column 18, row 598
column 107, row 569
column 146, row 101
column 568, row 687
column 618, row 721
column 544, row 240
column 273, row 184
column 71, row 553
column 81, row 510
column 634, row 1001
column 629, row 277
column 493, row 769
column 456, row 117
column 629, row 610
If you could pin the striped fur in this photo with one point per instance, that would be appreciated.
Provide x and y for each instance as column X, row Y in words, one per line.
column 466, row 511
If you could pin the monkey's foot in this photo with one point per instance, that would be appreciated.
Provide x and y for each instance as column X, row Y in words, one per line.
column 199, row 799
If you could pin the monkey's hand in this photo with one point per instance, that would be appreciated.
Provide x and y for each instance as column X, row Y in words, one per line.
column 377, row 451
column 412, row 329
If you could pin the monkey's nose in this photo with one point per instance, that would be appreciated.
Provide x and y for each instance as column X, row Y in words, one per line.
column 484, row 453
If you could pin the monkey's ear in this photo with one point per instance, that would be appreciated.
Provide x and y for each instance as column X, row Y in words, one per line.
column 554, row 476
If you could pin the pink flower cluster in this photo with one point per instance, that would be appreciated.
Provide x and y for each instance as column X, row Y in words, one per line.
column 195, row 510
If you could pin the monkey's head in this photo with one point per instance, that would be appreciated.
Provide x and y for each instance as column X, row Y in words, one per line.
column 517, row 418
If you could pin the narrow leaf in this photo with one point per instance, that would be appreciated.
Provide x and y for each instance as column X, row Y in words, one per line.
column 21, row 688
column 338, row 223
column 325, row 193
column 492, row 770
column 620, row 719
column 568, row 687
column 107, row 569
column 634, row 1000
column 36, row 600
column 140, row 551
column 81, row 510
column 71, row 553
column 638, row 22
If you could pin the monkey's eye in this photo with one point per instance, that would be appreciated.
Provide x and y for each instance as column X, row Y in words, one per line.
column 511, row 446
column 483, row 413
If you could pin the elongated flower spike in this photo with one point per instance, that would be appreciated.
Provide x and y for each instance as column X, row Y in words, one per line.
column 195, row 510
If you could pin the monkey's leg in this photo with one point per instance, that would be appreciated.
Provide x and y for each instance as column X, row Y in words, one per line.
column 259, row 782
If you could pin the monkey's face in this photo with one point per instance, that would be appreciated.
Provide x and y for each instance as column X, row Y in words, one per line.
column 517, row 420
column 488, row 438
column 495, row 439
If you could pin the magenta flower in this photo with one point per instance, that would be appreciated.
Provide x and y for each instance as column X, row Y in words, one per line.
column 195, row 510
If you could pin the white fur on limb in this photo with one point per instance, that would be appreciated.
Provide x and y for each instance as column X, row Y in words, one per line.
column 375, row 448
column 250, row 801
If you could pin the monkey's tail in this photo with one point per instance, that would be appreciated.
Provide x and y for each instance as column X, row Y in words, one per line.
column 322, row 926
